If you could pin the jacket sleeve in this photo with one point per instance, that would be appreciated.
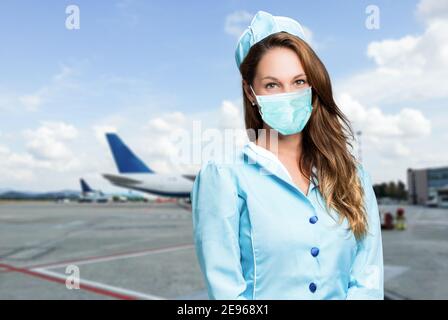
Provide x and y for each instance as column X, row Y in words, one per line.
column 367, row 273
column 215, row 211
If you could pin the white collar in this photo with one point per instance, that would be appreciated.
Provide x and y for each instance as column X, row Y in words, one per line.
column 270, row 162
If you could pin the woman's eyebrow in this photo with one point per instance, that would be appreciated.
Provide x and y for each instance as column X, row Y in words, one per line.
column 274, row 78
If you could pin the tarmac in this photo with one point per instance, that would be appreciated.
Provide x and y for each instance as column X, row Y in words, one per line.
column 146, row 251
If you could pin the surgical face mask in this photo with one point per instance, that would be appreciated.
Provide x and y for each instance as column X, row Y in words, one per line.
column 288, row 112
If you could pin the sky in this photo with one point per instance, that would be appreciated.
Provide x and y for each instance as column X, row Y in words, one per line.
column 146, row 69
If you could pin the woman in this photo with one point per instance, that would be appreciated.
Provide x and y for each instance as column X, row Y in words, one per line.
column 297, row 217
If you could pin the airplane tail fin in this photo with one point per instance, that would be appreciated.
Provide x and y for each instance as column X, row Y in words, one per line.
column 84, row 186
column 125, row 159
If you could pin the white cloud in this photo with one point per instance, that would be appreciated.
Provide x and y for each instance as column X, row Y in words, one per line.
column 65, row 73
column 101, row 130
column 309, row 38
column 237, row 22
column 408, row 69
column 395, row 54
column 230, row 115
column 390, row 150
column 391, row 137
column 31, row 102
column 407, row 123
column 407, row 78
column 6, row 100
column 111, row 123
column 25, row 170
column 168, row 122
column 55, row 156
column 168, row 141
column 48, row 142
column 430, row 10
column 60, row 81
column 14, row 167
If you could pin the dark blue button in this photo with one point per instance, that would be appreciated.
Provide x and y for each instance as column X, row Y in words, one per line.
column 313, row 219
column 314, row 251
column 313, row 287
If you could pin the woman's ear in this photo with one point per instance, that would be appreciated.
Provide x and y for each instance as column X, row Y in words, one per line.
column 249, row 93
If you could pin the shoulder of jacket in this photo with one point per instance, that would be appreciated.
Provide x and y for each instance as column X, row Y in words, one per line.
column 229, row 165
column 364, row 174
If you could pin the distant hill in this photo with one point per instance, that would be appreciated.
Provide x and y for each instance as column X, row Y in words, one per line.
column 26, row 195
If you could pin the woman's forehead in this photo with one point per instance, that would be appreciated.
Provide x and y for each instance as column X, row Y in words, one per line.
column 280, row 63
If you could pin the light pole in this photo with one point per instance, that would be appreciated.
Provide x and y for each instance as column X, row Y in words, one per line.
column 359, row 133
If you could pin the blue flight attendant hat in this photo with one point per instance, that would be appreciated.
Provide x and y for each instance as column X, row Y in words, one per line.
column 264, row 24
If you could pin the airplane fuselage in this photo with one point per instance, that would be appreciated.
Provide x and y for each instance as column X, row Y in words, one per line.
column 167, row 185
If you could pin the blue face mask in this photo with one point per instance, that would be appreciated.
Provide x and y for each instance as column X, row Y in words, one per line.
column 287, row 113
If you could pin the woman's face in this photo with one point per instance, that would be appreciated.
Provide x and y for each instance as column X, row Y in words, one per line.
column 278, row 71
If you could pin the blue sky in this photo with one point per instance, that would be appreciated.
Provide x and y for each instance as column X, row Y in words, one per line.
column 136, row 61
column 176, row 45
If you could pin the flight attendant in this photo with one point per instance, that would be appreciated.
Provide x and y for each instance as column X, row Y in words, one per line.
column 296, row 216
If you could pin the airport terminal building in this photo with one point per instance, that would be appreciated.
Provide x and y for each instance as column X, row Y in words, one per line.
column 428, row 186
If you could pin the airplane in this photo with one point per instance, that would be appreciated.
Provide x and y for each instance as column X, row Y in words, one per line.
column 89, row 195
column 135, row 174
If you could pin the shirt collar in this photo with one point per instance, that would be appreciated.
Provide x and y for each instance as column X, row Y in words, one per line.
column 270, row 164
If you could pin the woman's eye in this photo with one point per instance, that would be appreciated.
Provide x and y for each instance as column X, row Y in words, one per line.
column 270, row 85
column 300, row 81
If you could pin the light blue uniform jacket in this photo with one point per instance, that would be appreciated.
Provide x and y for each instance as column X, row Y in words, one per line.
column 258, row 236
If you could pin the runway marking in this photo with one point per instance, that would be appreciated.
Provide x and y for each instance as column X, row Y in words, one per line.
column 112, row 257
column 86, row 287
column 101, row 286
column 42, row 272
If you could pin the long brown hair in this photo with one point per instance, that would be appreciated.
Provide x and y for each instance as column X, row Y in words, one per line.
column 326, row 136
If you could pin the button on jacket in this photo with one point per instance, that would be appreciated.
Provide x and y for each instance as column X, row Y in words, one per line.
column 258, row 236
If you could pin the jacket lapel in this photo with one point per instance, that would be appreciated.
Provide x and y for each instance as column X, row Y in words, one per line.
column 269, row 164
